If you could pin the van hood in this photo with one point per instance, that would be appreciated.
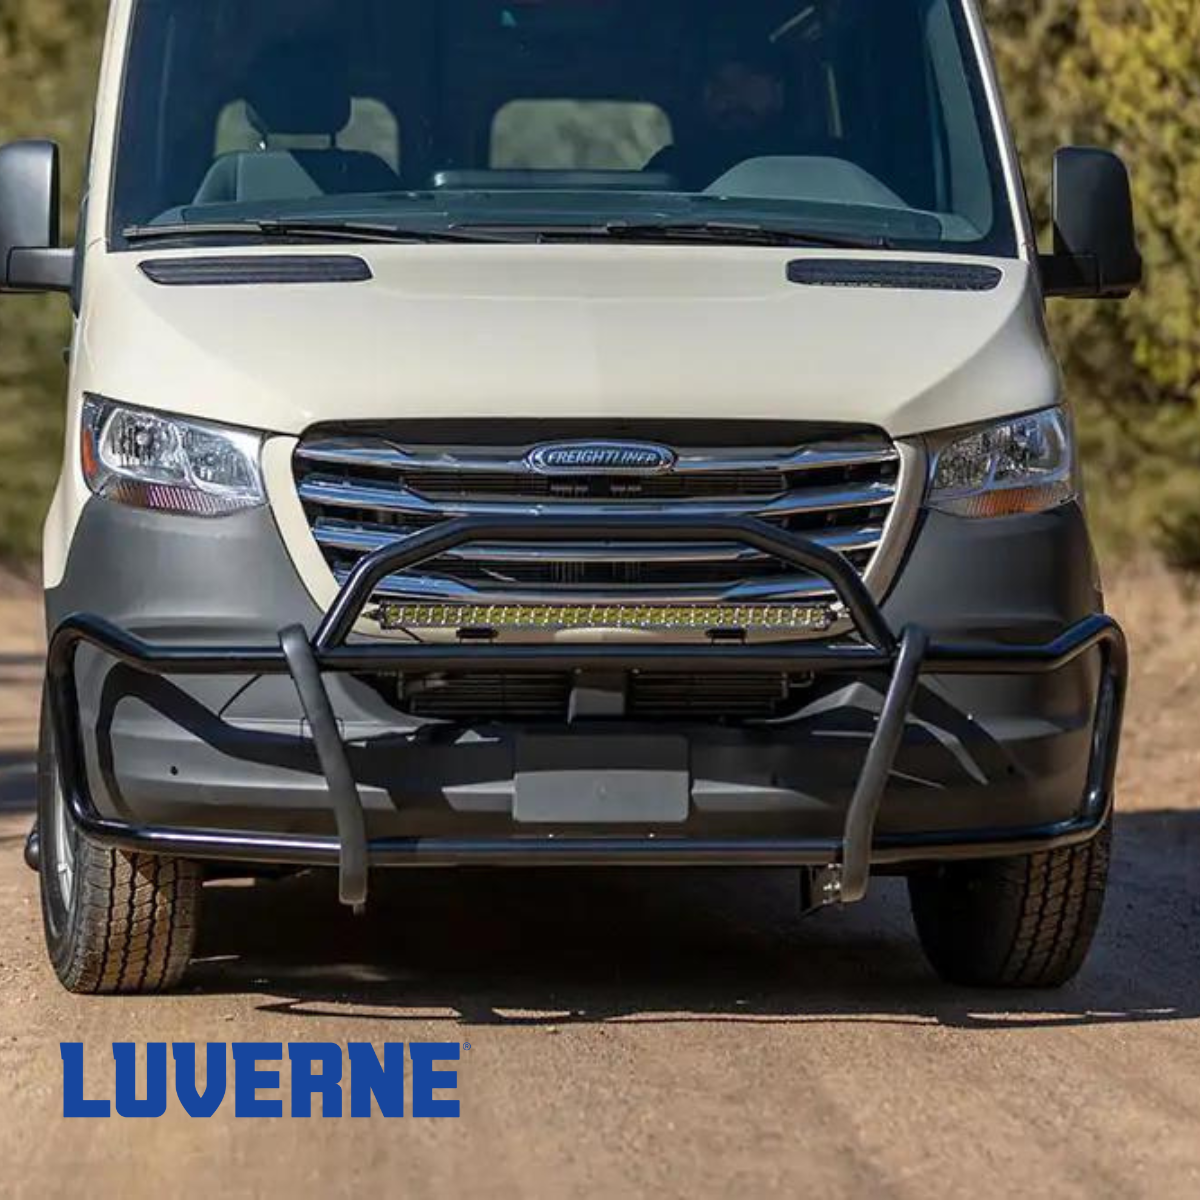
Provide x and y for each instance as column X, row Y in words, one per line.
column 507, row 331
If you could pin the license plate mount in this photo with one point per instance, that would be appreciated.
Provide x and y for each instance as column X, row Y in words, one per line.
column 573, row 779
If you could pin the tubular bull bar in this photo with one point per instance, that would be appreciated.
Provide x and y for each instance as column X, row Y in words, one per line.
column 844, row 863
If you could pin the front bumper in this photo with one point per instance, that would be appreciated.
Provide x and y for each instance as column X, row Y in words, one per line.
column 844, row 853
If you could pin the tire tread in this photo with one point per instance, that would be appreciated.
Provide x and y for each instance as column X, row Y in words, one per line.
column 135, row 925
column 132, row 923
column 1021, row 922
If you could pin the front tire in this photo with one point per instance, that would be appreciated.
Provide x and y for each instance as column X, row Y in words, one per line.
column 1021, row 922
column 115, row 922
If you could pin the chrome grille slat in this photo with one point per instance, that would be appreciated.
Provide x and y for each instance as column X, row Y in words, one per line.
column 381, row 456
column 779, row 589
column 365, row 541
column 335, row 493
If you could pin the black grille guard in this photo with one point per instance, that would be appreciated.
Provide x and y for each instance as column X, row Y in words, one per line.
column 873, row 647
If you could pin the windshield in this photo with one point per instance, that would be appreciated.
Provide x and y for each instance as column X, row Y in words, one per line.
column 861, row 121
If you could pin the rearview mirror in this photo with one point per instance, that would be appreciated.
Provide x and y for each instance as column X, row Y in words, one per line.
column 30, row 257
column 1096, row 252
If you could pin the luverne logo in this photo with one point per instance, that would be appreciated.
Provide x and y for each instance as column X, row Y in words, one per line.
column 316, row 1071
column 626, row 458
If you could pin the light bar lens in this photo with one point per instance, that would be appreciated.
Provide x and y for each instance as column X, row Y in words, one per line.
column 815, row 618
column 150, row 460
column 1022, row 465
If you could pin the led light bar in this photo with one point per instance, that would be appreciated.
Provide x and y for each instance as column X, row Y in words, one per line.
column 816, row 618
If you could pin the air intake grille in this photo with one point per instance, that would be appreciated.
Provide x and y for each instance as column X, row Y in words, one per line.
column 546, row 697
column 492, row 697
column 363, row 493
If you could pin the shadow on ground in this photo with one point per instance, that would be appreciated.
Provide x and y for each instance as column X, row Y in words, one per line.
column 559, row 947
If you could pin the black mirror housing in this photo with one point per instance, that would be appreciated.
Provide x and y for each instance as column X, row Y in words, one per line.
column 31, row 259
column 1096, row 252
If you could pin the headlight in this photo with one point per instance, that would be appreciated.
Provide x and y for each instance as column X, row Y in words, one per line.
column 149, row 460
column 1022, row 465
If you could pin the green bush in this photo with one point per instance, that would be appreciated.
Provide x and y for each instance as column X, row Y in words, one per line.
column 1125, row 74
column 48, row 56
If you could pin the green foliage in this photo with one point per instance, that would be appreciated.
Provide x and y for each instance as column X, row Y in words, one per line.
column 1147, row 82
column 1124, row 73
column 48, row 55
column 1140, row 67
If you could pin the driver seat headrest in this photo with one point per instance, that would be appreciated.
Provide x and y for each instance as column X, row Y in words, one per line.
column 300, row 87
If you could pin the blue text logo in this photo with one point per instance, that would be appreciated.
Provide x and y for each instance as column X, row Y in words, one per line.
column 316, row 1069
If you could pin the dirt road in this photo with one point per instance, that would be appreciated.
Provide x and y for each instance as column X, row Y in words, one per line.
column 667, row 1034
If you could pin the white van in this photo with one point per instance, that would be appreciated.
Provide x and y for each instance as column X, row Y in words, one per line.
column 520, row 432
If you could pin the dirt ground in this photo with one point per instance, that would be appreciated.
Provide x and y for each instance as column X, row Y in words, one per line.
column 669, row 1034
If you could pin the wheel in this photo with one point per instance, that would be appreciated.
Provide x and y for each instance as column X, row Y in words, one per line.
column 114, row 921
column 1023, row 922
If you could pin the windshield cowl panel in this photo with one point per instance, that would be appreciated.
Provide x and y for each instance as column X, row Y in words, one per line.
column 840, row 123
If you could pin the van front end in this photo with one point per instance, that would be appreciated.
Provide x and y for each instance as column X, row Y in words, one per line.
column 944, row 688
column 542, row 434
column 221, row 738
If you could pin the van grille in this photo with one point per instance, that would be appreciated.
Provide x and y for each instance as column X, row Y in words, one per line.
column 363, row 493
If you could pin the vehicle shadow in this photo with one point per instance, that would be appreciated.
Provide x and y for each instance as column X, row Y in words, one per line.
column 555, row 948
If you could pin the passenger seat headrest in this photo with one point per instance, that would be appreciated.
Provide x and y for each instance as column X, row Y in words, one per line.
column 299, row 87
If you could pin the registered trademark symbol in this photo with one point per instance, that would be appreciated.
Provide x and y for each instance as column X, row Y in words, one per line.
column 466, row 1045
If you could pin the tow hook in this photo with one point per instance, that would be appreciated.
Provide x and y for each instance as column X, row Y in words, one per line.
column 820, row 887
column 33, row 850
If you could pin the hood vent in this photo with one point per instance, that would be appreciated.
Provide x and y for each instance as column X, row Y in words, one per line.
column 918, row 276
column 231, row 271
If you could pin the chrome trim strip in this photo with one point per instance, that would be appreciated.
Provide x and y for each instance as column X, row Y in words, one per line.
column 360, row 539
column 432, row 589
column 334, row 493
column 383, row 455
column 901, row 521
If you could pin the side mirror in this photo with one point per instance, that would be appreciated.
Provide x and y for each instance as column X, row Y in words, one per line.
column 30, row 257
column 1096, row 252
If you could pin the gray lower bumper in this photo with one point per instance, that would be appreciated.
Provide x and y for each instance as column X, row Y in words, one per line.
column 161, row 758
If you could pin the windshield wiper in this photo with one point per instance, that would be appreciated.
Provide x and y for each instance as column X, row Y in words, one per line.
column 748, row 233
column 745, row 233
column 317, row 231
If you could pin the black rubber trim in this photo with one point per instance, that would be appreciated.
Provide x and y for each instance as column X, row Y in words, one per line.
column 915, row 276
column 230, row 271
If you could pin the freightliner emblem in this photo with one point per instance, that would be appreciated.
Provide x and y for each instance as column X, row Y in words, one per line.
column 624, row 458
